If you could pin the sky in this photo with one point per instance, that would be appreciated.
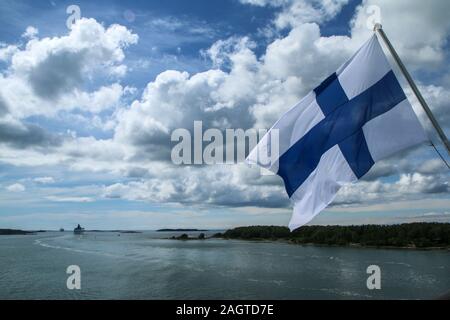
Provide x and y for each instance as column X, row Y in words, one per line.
column 87, row 112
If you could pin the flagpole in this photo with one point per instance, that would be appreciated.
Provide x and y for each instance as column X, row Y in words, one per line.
column 378, row 28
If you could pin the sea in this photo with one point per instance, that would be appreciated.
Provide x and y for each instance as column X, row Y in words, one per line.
column 149, row 265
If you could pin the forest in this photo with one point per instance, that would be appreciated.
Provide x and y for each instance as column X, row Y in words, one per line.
column 412, row 235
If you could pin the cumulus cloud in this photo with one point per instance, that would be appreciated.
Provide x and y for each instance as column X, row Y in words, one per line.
column 47, row 77
column 252, row 94
column 437, row 97
column 216, row 186
column 418, row 30
column 242, row 90
column 408, row 186
column 425, row 47
column 418, row 183
column 176, row 99
column 49, row 74
column 7, row 52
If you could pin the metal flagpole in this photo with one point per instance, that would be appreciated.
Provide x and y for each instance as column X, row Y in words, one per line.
column 378, row 28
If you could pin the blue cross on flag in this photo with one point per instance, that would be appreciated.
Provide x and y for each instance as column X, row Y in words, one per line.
column 335, row 134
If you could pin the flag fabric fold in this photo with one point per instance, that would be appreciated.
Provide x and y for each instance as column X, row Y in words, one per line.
column 333, row 136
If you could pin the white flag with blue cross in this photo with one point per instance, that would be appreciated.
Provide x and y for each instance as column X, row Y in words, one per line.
column 333, row 136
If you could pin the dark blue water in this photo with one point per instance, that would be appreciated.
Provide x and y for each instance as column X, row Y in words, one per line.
column 144, row 266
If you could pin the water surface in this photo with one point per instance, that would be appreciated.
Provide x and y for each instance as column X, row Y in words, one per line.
column 144, row 266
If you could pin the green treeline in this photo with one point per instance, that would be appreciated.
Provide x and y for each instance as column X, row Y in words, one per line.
column 420, row 235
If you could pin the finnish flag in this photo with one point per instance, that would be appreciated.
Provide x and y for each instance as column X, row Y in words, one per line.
column 335, row 134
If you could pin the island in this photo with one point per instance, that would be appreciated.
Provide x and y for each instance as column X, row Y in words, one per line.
column 12, row 232
column 412, row 235
column 185, row 237
column 179, row 230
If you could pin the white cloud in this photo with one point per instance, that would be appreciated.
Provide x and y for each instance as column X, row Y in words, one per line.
column 152, row 190
column 408, row 186
column 418, row 183
column 437, row 97
column 419, row 30
column 433, row 214
column 258, row 90
column 106, row 97
column 16, row 187
column 215, row 186
column 30, row 33
column 70, row 199
column 432, row 166
column 7, row 52
column 44, row 180
column 398, row 205
column 243, row 90
column 424, row 47
column 297, row 12
column 174, row 24
column 47, row 78
column 48, row 74
column 300, row 12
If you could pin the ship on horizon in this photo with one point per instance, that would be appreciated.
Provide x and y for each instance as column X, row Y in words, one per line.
column 78, row 230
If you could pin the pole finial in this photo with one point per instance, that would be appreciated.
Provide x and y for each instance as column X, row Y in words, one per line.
column 377, row 26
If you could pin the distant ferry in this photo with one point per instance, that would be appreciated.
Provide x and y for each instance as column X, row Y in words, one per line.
column 78, row 230
column 61, row 230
